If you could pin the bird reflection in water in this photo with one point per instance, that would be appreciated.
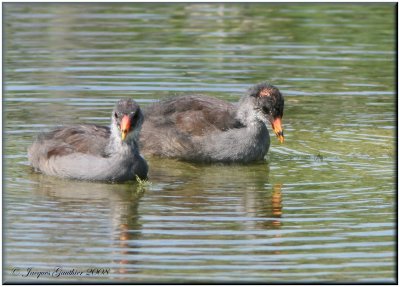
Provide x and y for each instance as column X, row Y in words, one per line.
column 91, row 211
column 111, row 211
column 276, row 203
column 128, row 231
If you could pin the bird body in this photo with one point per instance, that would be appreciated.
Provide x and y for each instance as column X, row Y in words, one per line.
column 92, row 152
column 206, row 129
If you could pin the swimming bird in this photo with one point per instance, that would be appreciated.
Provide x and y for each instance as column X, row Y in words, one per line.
column 93, row 152
column 205, row 129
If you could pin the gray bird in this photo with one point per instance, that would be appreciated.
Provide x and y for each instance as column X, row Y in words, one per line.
column 204, row 129
column 92, row 152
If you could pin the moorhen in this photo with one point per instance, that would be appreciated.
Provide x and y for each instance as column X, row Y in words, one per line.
column 92, row 152
column 204, row 129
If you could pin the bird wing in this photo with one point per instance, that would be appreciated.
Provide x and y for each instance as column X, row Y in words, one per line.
column 87, row 139
column 194, row 115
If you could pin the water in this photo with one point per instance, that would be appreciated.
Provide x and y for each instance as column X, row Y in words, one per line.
column 321, row 208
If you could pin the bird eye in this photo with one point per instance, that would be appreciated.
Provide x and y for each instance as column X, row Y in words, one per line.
column 136, row 115
column 116, row 115
column 265, row 110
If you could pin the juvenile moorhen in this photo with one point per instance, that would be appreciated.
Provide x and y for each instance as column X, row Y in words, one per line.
column 204, row 129
column 92, row 152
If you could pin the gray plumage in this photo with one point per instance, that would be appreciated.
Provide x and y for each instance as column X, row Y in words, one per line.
column 205, row 129
column 92, row 152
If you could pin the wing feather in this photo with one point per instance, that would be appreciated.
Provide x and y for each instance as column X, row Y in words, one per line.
column 87, row 139
column 193, row 115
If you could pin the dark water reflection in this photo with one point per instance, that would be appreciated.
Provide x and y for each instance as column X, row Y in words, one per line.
column 321, row 208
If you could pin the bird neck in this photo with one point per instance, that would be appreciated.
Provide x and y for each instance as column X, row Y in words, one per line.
column 244, row 144
column 246, row 114
column 117, row 145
